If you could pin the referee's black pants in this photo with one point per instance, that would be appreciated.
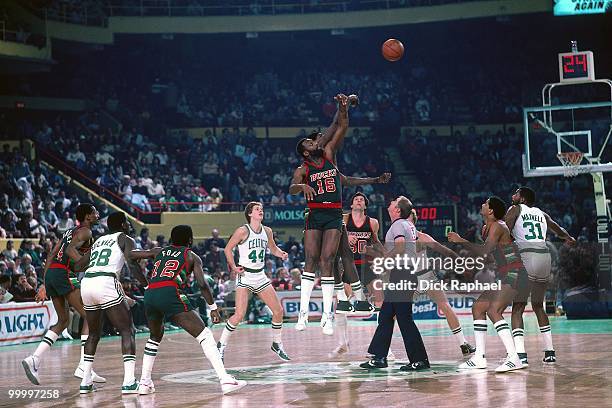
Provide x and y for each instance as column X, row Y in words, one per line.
column 402, row 311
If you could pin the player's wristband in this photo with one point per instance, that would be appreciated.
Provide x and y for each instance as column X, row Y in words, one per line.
column 213, row 307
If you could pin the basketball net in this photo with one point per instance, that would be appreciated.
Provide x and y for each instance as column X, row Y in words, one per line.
column 570, row 162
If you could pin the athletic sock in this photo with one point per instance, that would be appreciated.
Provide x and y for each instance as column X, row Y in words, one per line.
column 480, row 336
column 327, row 286
column 458, row 332
column 86, row 365
column 150, row 352
column 503, row 330
column 306, row 286
column 519, row 339
column 129, row 364
column 547, row 338
column 358, row 290
column 342, row 328
column 277, row 329
column 340, row 293
column 83, row 341
column 207, row 342
column 228, row 330
column 47, row 341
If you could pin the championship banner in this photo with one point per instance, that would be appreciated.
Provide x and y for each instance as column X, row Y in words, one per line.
column 422, row 308
column 25, row 322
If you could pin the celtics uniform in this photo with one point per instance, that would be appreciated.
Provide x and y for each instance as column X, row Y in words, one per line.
column 529, row 233
column 362, row 236
column 60, row 278
column 325, row 210
column 164, row 296
column 252, row 257
column 100, row 286
column 509, row 266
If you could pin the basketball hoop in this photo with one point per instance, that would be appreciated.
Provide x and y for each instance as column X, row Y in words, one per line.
column 570, row 162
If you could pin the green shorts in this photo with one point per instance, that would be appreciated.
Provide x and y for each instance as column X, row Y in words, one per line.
column 323, row 219
column 60, row 282
column 516, row 277
column 165, row 301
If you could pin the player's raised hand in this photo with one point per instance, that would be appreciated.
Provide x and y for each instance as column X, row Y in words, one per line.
column 309, row 192
column 384, row 178
column 41, row 295
column 454, row 237
column 284, row 256
column 215, row 316
column 342, row 100
column 570, row 240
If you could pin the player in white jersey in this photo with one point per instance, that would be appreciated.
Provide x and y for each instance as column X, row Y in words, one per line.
column 101, row 292
column 252, row 240
column 529, row 225
column 427, row 278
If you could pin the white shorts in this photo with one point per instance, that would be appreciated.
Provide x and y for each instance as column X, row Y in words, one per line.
column 429, row 276
column 101, row 292
column 253, row 281
column 537, row 264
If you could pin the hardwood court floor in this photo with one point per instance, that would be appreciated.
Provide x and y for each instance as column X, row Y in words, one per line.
column 183, row 377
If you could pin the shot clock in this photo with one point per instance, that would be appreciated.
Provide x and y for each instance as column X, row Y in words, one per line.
column 576, row 66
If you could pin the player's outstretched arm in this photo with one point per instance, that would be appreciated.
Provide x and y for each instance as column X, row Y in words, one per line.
column 558, row 230
column 237, row 237
column 353, row 100
column 512, row 215
column 479, row 249
column 131, row 255
column 274, row 249
column 337, row 139
column 298, row 186
column 198, row 273
column 430, row 242
column 361, row 181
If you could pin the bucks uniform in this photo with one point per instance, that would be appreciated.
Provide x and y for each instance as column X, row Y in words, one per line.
column 60, row 278
column 100, row 286
column 325, row 210
column 529, row 232
column 164, row 296
column 361, row 235
column 509, row 267
column 252, row 257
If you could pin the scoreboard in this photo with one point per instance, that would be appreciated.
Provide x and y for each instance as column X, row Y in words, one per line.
column 436, row 220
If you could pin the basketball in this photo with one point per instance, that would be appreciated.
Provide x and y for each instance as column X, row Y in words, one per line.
column 392, row 50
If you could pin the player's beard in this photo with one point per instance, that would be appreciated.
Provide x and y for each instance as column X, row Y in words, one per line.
column 317, row 154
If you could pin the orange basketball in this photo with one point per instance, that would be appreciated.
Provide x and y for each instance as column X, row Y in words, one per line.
column 392, row 49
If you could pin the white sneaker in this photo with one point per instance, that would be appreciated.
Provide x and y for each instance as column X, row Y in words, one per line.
column 302, row 321
column 338, row 351
column 230, row 384
column 66, row 335
column 145, row 387
column 512, row 363
column 476, row 362
column 327, row 323
column 79, row 373
column 30, row 365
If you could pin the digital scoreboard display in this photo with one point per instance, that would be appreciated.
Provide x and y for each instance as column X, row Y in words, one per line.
column 579, row 7
column 576, row 66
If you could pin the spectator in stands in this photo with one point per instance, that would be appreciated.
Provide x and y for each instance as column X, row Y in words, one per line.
column 10, row 253
column 5, row 284
column 65, row 223
column 214, row 239
column 22, row 291
column 34, row 252
column 47, row 216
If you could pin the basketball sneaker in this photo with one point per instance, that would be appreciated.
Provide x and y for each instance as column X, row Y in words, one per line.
column 512, row 363
column 339, row 350
column 230, row 384
column 146, row 387
column 87, row 388
column 467, row 349
column 364, row 306
column 476, row 362
column 302, row 321
column 375, row 363
column 549, row 356
column 30, row 365
column 327, row 323
column 221, row 348
column 344, row 306
column 523, row 357
column 417, row 366
column 79, row 373
column 130, row 389
column 278, row 349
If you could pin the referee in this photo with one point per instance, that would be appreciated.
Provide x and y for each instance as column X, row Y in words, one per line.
column 400, row 239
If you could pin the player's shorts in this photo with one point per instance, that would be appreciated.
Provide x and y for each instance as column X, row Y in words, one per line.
column 514, row 275
column 428, row 278
column 165, row 299
column 323, row 219
column 101, row 290
column 537, row 263
column 60, row 281
column 256, row 282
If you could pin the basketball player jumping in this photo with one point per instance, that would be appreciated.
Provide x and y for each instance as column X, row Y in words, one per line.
column 424, row 242
column 252, row 240
column 62, row 286
column 164, row 299
column 529, row 225
column 492, row 303
column 102, row 293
